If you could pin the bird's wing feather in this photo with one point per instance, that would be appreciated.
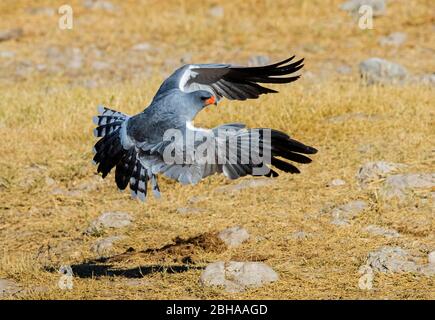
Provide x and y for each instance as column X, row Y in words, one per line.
column 237, row 83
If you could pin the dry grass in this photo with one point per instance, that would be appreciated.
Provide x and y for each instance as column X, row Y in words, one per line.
column 47, row 133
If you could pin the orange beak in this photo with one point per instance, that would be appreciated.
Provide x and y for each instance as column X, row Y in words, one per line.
column 210, row 101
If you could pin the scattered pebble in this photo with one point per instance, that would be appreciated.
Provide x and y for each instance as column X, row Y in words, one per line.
column 396, row 186
column 114, row 219
column 8, row 287
column 336, row 183
column 99, row 4
column 245, row 184
column 7, row 54
column 144, row 46
column 188, row 210
column 380, row 71
column 100, row 65
column 10, row 34
column 372, row 171
column 393, row 39
column 431, row 257
column 216, row 11
column 300, row 235
column 380, row 231
column 104, row 247
column 379, row 6
column 342, row 215
column 237, row 276
column 391, row 259
column 234, row 237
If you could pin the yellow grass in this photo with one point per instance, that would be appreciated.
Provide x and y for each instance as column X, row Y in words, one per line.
column 46, row 133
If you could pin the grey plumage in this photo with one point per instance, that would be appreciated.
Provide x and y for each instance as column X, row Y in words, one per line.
column 136, row 147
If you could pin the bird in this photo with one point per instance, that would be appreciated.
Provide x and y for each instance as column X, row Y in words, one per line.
column 137, row 146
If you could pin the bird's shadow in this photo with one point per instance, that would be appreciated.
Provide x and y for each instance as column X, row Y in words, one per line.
column 93, row 270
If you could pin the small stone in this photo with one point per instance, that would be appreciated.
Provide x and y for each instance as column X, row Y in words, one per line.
column 7, row 54
column 380, row 71
column 396, row 186
column 246, row 184
column 378, row 6
column 189, row 210
column 103, row 247
column 344, row 69
column 237, row 276
column 8, row 287
column 234, row 237
column 301, row 235
column 426, row 79
column 431, row 257
column 391, row 259
column 336, row 183
column 144, row 46
column 47, row 11
column 256, row 61
column 393, row 39
column 372, row 171
column 11, row 34
column 342, row 215
column 114, row 219
column 365, row 282
column 99, row 4
column 100, row 65
column 216, row 11
column 379, row 231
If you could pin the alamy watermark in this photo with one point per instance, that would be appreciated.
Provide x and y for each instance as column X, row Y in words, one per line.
column 221, row 146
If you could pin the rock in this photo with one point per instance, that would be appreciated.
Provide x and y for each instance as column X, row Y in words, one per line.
column 256, row 61
column 379, row 6
column 426, row 79
column 104, row 246
column 10, row 34
column 216, row 11
column 114, row 219
column 393, row 39
column 431, row 257
column 8, row 287
column 372, row 171
column 344, row 69
column 234, row 237
column 7, row 54
column 396, row 186
column 196, row 199
column 301, row 235
column 365, row 282
column 342, row 215
column 187, row 210
column 246, row 184
column 380, row 71
column 237, row 276
column 379, row 231
column 76, row 61
column 100, row 65
column 336, row 183
column 144, row 46
column 391, row 259
column 99, row 5
column 47, row 11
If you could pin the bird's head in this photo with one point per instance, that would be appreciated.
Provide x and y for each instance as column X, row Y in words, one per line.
column 205, row 98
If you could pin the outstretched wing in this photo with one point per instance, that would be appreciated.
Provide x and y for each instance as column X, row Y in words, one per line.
column 240, row 161
column 231, row 82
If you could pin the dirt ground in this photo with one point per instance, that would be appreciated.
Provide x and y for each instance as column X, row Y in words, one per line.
column 117, row 54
